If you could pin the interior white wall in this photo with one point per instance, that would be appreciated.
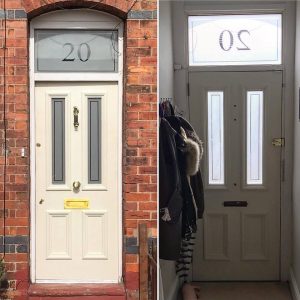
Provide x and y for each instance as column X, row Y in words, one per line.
column 166, row 74
column 180, row 57
column 296, row 186
column 170, row 281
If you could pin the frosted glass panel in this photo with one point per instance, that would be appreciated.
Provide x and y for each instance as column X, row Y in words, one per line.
column 254, row 137
column 235, row 40
column 76, row 51
column 215, row 137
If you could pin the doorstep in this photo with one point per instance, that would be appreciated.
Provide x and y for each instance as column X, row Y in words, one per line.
column 91, row 291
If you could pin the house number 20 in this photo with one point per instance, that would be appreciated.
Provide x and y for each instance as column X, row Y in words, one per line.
column 228, row 33
column 80, row 52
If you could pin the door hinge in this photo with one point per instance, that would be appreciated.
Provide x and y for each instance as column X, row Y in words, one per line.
column 188, row 89
column 278, row 142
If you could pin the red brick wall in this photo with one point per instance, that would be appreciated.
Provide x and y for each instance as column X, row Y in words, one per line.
column 139, row 130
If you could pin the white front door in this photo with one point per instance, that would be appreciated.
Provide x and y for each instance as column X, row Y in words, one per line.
column 238, row 116
column 77, row 181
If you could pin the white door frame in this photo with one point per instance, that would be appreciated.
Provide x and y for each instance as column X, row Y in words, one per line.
column 73, row 19
column 181, row 11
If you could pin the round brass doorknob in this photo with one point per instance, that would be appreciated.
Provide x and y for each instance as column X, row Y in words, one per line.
column 76, row 185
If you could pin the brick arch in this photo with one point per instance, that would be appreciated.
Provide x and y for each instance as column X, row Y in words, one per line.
column 118, row 8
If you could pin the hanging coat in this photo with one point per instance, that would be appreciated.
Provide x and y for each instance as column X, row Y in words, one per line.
column 170, row 193
column 196, row 181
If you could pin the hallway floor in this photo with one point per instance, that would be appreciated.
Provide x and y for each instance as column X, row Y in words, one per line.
column 244, row 291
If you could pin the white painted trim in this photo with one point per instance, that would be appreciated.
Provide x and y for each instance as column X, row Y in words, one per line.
column 74, row 19
column 73, row 281
column 120, row 147
column 181, row 11
column 174, row 291
column 78, row 25
column 294, row 286
column 104, row 142
column 77, row 77
column 67, row 186
column 242, row 68
column 32, row 161
column 159, row 278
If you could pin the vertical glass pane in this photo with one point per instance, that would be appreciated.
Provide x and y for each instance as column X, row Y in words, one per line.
column 215, row 137
column 58, row 140
column 94, row 149
column 254, row 137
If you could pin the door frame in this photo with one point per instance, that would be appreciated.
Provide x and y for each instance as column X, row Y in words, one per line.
column 74, row 19
column 181, row 12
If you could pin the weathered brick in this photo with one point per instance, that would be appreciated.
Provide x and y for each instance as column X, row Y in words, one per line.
column 137, row 196
column 151, row 206
column 138, row 89
column 132, row 267
column 137, row 179
column 130, row 206
column 137, row 161
column 139, row 51
column 131, row 258
column 137, row 215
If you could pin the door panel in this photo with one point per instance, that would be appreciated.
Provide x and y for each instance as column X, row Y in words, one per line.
column 77, row 164
column 237, row 115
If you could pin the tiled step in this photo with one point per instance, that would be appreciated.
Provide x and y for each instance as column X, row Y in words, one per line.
column 76, row 292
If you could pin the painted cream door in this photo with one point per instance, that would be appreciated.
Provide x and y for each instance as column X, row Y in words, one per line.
column 77, row 244
column 237, row 115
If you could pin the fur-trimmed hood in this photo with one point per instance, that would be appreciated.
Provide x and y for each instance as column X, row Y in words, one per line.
column 193, row 154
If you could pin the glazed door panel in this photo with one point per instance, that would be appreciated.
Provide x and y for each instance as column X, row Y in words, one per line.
column 77, row 217
column 237, row 115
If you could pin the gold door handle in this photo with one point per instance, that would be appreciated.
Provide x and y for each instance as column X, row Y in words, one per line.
column 75, row 114
column 76, row 185
column 41, row 201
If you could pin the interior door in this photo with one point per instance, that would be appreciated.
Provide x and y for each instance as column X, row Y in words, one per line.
column 77, row 206
column 238, row 116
